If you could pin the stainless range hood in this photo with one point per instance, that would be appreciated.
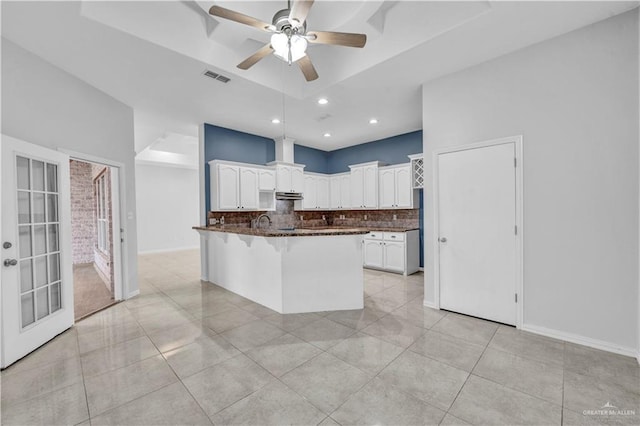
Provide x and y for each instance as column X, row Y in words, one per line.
column 288, row 196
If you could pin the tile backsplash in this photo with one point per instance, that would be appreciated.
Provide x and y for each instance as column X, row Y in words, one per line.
column 286, row 216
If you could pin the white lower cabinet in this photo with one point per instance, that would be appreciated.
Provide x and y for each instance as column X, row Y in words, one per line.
column 392, row 251
column 373, row 253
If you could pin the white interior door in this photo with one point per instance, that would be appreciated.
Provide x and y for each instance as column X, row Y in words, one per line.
column 477, row 241
column 37, row 275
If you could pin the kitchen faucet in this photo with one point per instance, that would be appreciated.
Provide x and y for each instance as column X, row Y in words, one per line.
column 263, row 215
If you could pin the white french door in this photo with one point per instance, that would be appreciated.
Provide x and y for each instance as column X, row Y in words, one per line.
column 477, row 217
column 37, row 275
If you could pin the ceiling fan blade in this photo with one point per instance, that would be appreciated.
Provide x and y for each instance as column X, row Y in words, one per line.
column 231, row 15
column 300, row 10
column 307, row 68
column 251, row 60
column 340, row 39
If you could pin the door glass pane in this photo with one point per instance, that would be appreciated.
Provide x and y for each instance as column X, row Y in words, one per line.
column 56, row 297
column 38, row 175
column 38, row 207
column 22, row 165
column 27, row 309
column 41, row 271
column 54, row 267
column 26, row 275
column 52, row 178
column 39, row 240
column 52, row 238
column 42, row 300
column 24, row 242
column 52, row 206
column 24, row 207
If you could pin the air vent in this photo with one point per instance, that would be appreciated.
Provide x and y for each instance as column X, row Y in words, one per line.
column 217, row 76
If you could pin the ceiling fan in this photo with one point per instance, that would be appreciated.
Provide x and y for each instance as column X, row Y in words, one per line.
column 290, row 36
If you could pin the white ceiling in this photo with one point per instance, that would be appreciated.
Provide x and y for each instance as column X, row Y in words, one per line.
column 151, row 56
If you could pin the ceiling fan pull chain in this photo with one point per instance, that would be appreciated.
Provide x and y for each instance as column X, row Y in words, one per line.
column 289, row 49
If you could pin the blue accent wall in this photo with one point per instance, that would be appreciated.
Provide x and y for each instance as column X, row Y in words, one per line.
column 226, row 144
column 393, row 150
column 315, row 160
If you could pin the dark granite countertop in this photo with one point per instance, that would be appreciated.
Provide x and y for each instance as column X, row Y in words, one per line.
column 299, row 232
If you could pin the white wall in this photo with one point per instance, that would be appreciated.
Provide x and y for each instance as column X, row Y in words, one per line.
column 46, row 106
column 575, row 100
column 167, row 208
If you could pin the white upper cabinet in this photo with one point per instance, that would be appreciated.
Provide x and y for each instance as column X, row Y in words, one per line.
column 297, row 179
column 387, row 188
column 364, row 185
column 233, row 187
column 248, row 188
column 267, row 179
column 289, row 178
column 227, row 188
column 395, row 187
column 340, row 191
column 322, row 192
column 357, row 188
column 334, row 192
column 404, row 187
column 316, row 192
column 309, row 193
column 345, row 191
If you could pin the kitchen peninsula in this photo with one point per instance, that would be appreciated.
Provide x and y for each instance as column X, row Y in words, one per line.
column 289, row 271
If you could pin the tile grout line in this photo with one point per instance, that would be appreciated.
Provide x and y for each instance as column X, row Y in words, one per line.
column 469, row 374
column 84, row 385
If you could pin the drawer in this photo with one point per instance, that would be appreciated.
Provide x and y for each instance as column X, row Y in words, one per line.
column 373, row 236
column 393, row 236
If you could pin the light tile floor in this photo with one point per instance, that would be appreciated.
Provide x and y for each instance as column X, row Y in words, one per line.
column 188, row 352
column 90, row 294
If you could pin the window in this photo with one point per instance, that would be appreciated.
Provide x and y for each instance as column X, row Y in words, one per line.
column 102, row 223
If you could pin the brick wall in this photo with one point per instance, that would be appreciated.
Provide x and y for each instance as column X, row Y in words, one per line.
column 83, row 210
column 285, row 215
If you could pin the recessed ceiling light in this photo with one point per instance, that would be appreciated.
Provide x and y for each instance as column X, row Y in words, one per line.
column 323, row 101
column 373, row 121
column 275, row 121
column 327, row 135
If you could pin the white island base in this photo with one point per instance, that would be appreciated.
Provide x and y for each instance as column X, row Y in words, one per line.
column 287, row 274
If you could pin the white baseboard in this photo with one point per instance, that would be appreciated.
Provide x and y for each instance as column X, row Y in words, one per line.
column 581, row 340
column 429, row 304
column 133, row 294
column 169, row 250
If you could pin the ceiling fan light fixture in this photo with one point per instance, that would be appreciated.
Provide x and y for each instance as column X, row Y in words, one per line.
column 280, row 45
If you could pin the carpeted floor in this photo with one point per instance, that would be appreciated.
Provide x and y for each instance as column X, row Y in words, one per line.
column 89, row 291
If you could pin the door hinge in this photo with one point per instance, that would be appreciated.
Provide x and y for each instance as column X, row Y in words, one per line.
column 121, row 235
column 515, row 229
column 516, row 297
column 515, row 162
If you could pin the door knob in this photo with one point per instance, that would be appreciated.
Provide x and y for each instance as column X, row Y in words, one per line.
column 10, row 262
column 6, row 245
column 443, row 240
